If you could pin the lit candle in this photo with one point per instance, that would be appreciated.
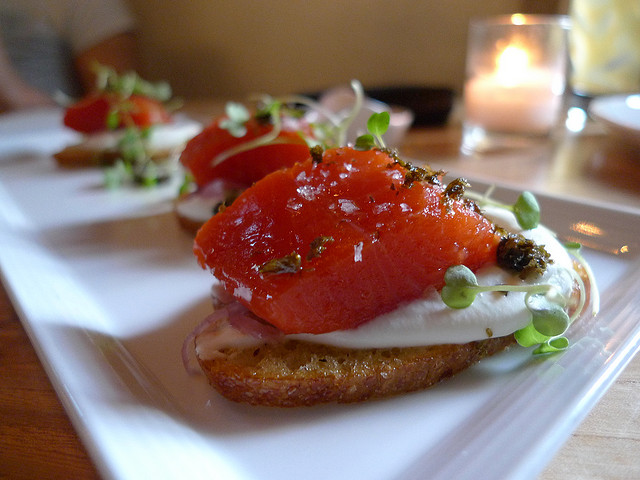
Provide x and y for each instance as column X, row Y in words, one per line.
column 515, row 97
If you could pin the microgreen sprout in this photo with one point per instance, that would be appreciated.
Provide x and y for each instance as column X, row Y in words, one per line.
column 547, row 307
column 135, row 163
column 188, row 184
column 365, row 142
column 547, row 316
column 331, row 133
column 237, row 117
column 129, row 83
column 356, row 86
column 115, row 175
column 529, row 337
column 273, row 109
column 377, row 126
column 331, row 128
column 526, row 208
column 461, row 287
column 113, row 119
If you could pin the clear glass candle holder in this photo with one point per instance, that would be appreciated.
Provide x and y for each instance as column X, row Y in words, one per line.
column 516, row 72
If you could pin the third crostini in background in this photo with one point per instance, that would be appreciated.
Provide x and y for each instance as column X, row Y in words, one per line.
column 129, row 126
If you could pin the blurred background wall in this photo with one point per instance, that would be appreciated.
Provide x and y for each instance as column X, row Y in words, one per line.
column 229, row 48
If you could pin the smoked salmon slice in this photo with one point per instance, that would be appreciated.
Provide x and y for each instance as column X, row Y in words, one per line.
column 246, row 167
column 341, row 238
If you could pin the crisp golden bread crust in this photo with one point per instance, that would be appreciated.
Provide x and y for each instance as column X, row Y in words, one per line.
column 77, row 156
column 294, row 373
column 188, row 224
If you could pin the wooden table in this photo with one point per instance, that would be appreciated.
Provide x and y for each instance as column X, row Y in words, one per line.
column 37, row 440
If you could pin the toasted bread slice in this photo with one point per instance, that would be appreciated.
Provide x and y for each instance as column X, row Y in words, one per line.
column 188, row 224
column 79, row 156
column 295, row 373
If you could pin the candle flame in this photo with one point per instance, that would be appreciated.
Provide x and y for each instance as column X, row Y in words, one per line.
column 511, row 65
column 518, row 19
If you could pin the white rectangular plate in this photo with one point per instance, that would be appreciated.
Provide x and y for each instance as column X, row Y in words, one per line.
column 107, row 288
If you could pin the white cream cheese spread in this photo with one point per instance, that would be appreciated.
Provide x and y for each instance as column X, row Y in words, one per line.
column 197, row 207
column 163, row 137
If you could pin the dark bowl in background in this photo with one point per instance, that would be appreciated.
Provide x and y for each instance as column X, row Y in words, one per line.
column 430, row 105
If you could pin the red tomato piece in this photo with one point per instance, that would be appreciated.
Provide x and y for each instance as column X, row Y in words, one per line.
column 144, row 112
column 246, row 167
column 90, row 114
column 366, row 242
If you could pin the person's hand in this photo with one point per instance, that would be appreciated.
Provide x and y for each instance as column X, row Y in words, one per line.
column 19, row 96
column 15, row 93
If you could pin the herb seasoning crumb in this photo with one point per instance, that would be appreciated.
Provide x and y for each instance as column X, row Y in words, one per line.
column 291, row 263
column 318, row 246
column 316, row 154
column 522, row 255
column 417, row 174
column 456, row 188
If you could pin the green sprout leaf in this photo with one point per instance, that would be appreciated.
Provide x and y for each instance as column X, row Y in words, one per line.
column 188, row 184
column 548, row 322
column 126, row 83
column 113, row 119
column 271, row 108
column 527, row 211
column 116, row 175
column 330, row 130
column 135, row 164
column 552, row 346
column 161, row 91
column 529, row 336
column 129, row 83
column 377, row 124
column 456, row 292
column 365, row 142
column 548, row 318
column 132, row 146
column 237, row 117
column 526, row 208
